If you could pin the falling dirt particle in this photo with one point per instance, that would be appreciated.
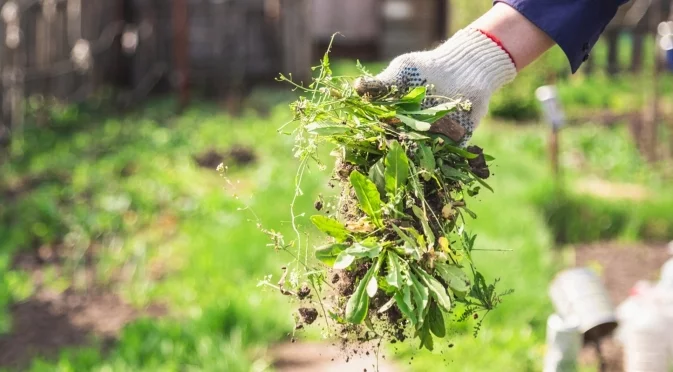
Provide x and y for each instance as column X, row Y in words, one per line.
column 450, row 346
column 303, row 292
column 367, row 353
column 348, row 359
column 293, row 340
column 478, row 164
column 475, row 316
column 299, row 326
column 308, row 314
column 317, row 205
column 335, row 278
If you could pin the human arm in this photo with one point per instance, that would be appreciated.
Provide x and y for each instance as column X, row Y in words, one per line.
column 479, row 59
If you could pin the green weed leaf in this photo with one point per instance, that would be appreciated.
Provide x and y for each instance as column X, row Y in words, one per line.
column 396, row 170
column 364, row 249
column 436, row 320
column 416, row 95
column 425, row 337
column 403, row 300
column 368, row 196
column 343, row 260
column 437, row 291
column 328, row 254
column 454, row 277
column 424, row 221
column 421, row 296
column 412, row 123
column 372, row 286
column 327, row 129
column 376, row 175
column 330, row 227
column 427, row 161
column 358, row 304
column 394, row 270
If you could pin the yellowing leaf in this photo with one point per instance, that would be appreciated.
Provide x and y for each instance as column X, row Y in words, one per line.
column 443, row 244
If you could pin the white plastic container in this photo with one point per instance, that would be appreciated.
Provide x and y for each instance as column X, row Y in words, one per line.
column 579, row 294
column 563, row 345
column 666, row 276
column 645, row 340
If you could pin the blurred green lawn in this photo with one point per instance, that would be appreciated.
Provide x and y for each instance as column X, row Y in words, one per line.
column 129, row 185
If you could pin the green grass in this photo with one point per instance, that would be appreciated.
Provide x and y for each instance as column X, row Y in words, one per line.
column 169, row 213
column 214, row 253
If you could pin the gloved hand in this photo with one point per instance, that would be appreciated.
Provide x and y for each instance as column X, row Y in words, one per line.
column 470, row 65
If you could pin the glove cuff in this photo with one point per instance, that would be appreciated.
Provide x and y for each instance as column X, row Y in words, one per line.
column 482, row 61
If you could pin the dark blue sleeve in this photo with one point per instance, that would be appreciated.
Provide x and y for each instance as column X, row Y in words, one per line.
column 575, row 25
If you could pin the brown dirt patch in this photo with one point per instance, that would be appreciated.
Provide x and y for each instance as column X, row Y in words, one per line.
column 311, row 357
column 621, row 265
column 612, row 190
column 236, row 155
column 51, row 321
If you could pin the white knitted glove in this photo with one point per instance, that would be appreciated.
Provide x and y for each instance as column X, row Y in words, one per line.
column 470, row 65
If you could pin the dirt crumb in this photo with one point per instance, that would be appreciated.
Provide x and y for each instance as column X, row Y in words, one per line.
column 478, row 164
column 308, row 315
column 303, row 292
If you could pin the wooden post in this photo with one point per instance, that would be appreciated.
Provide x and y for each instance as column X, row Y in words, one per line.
column 548, row 97
column 612, row 37
column 12, row 64
column 297, row 38
column 554, row 151
column 181, row 49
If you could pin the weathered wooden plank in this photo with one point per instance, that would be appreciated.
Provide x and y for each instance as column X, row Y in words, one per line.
column 297, row 40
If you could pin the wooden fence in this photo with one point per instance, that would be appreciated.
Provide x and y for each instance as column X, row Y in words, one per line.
column 67, row 49
column 636, row 19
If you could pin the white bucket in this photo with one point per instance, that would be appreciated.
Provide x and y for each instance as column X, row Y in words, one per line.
column 645, row 341
column 563, row 345
column 579, row 294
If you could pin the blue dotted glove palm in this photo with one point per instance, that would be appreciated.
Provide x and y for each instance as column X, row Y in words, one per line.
column 469, row 66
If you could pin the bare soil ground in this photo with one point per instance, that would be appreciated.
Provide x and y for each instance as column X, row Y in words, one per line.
column 621, row 266
column 49, row 321
column 312, row 357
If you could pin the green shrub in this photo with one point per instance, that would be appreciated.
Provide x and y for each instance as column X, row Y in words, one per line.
column 582, row 219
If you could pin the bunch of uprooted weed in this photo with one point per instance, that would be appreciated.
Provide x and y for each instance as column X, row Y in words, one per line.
column 399, row 257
